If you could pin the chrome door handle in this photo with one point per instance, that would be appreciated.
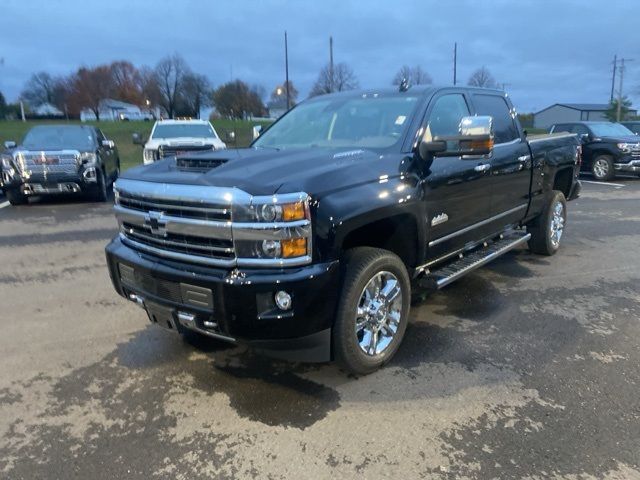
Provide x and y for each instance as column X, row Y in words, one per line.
column 524, row 158
column 482, row 167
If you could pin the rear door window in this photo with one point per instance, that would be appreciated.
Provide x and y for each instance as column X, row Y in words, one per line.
column 496, row 106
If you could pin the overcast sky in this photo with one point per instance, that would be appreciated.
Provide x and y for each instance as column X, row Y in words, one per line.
column 546, row 51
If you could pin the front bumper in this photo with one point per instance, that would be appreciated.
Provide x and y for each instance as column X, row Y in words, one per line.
column 632, row 166
column 51, row 183
column 234, row 305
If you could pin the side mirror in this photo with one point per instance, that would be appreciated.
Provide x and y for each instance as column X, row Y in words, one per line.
column 475, row 137
column 108, row 143
column 256, row 131
column 9, row 144
column 138, row 139
column 584, row 137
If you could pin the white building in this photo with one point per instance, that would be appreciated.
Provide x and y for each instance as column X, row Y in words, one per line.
column 47, row 110
column 114, row 110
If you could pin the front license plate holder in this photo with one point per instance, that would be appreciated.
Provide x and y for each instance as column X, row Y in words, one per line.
column 162, row 316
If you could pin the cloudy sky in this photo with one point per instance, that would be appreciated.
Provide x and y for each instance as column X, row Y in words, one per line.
column 546, row 51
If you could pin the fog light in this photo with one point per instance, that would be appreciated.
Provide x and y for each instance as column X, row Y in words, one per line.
column 283, row 300
column 271, row 248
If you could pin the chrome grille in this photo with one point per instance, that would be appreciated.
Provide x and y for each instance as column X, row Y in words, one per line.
column 635, row 151
column 172, row 150
column 48, row 162
column 173, row 222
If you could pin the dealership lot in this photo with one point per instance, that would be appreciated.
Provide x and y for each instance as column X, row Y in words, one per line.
column 528, row 367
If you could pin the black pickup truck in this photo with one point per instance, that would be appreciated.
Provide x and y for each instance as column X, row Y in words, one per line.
column 607, row 148
column 308, row 244
column 55, row 159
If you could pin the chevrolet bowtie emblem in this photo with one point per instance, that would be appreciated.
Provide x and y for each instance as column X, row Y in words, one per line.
column 156, row 223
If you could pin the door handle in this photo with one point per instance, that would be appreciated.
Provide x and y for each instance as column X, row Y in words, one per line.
column 524, row 158
column 483, row 167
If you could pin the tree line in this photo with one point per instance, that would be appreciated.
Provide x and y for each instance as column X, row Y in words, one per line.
column 174, row 88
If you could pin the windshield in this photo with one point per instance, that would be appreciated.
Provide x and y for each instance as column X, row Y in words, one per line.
column 59, row 138
column 175, row 130
column 610, row 130
column 360, row 122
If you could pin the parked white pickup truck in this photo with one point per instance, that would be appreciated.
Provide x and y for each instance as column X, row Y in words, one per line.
column 173, row 137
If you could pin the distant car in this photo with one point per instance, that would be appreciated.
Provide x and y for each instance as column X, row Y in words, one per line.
column 55, row 159
column 173, row 137
column 135, row 116
column 607, row 148
column 633, row 126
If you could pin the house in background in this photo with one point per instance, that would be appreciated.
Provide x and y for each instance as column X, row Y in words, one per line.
column 572, row 112
column 114, row 110
column 46, row 110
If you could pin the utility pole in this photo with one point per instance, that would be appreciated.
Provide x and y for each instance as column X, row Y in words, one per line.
column 330, row 64
column 455, row 62
column 619, row 112
column 613, row 77
column 286, row 69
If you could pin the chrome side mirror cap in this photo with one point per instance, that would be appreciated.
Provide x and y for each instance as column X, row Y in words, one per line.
column 475, row 137
column 9, row 144
column 108, row 143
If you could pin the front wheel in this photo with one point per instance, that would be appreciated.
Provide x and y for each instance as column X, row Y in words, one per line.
column 99, row 193
column 373, row 311
column 546, row 231
column 602, row 168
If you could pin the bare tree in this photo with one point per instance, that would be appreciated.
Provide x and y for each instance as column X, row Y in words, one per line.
column 127, row 82
column 170, row 73
column 90, row 86
column 197, row 93
column 482, row 78
column 415, row 76
column 340, row 79
column 44, row 88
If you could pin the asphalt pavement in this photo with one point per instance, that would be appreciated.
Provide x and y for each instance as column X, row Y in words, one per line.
column 527, row 368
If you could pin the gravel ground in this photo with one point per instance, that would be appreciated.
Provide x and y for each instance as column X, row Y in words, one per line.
column 528, row 368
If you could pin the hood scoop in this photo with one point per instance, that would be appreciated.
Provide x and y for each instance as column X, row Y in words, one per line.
column 195, row 164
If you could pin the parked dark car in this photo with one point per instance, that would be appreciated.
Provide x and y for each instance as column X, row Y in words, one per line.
column 633, row 126
column 607, row 148
column 55, row 159
column 307, row 245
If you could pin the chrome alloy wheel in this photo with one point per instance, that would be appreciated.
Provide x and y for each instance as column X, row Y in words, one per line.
column 601, row 168
column 557, row 224
column 378, row 313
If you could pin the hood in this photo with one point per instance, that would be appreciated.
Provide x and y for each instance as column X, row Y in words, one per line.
column 264, row 171
column 621, row 139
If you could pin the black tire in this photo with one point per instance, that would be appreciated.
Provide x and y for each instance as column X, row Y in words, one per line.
column 542, row 229
column 99, row 193
column 360, row 265
column 602, row 168
column 16, row 198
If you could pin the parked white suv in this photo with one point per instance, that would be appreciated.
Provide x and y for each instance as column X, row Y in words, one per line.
column 173, row 137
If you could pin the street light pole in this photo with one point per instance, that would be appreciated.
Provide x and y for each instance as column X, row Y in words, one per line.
column 286, row 69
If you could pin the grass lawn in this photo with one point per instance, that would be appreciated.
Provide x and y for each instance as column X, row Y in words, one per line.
column 120, row 132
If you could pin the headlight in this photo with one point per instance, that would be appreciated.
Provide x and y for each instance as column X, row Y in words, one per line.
column 88, row 158
column 624, row 147
column 149, row 155
column 273, row 230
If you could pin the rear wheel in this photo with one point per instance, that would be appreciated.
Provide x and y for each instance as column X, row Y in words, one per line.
column 602, row 168
column 373, row 311
column 16, row 198
column 546, row 231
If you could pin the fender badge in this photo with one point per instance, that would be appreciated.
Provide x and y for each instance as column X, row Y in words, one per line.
column 438, row 219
